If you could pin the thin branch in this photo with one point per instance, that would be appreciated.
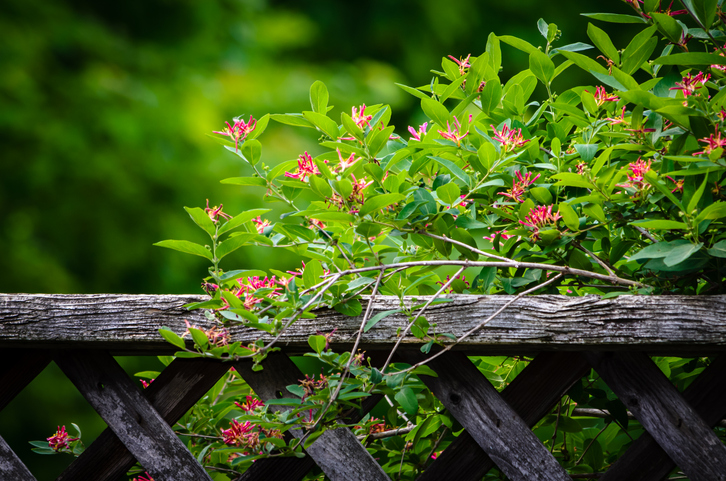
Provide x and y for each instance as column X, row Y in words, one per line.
column 645, row 233
column 420, row 313
column 387, row 434
column 591, row 443
column 467, row 246
column 602, row 263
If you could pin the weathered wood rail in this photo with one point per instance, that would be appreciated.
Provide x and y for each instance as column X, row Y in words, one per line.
column 567, row 335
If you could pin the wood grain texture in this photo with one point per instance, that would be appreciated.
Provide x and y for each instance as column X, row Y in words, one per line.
column 337, row 452
column 532, row 394
column 18, row 368
column 129, row 323
column 645, row 460
column 493, row 424
column 664, row 413
column 130, row 416
column 11, row 467
column 172, row 394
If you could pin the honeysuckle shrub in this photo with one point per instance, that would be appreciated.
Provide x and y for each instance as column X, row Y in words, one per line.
column 611, row 188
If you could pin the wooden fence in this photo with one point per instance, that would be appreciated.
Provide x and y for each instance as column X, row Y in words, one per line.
column 567, row 336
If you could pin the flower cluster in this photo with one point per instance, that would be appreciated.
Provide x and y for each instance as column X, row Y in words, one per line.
column 145, row 477
column 146, row 384
column 519, row 186
column 420, row 133
column 360, row 118
column 689, row 83
column 251, row 404
column 260, row 224
column 601, row 96
column 239, row 130
column 305, row 168
column 217, row 337
column 509, row 138
column 539, row 217
column 215, row 212
column 714, row 142
column 254, row 283
column 59, row 442
column 637, row 172
column 310, row 385
column 453, row 134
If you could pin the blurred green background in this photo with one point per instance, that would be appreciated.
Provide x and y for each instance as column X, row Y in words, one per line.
column 104, row 111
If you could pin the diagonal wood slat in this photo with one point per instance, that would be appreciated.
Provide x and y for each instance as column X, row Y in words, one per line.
column 130, row 415
column 664, row 413
column 495, row 426
column 172, row 394
column 18, row 368
column 532, row 394
column 645, row 460
column 337, row 452
column 11, row 467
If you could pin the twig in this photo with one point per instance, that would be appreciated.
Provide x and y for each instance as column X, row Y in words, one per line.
column 602, row 263
column 448, row 347
column 467, row 246
column 416, row 316
column 591, row 443
column 645, row 233
column 387, row 434
column 557, row 425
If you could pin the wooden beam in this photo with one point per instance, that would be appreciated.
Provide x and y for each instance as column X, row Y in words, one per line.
column 532, row 394
column 172, row 394
column 130, row 323
column 663, row 412
column 337, row 452
column 18, row 368
column 130, row 416
column 11, row 467
column 645, row 460
column 495, row 426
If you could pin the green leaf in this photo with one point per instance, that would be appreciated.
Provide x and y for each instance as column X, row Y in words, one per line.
column 668, row 26
column 571, row 219
column 705, row 10
column 712, row 212
column 541, row 194
column 351, row 126
column 200, row 339
column 449, row 193
column 681, row 253
column 200, row 217
column 379, row 317
column 542, row 66
column 660, row 224
column 240, row 219
column 697, row 196
column 718, row 249
column 491, row 95
column 234, row 243
column 518, row 43
column 317, row 343
column 312, row 273
column 587, row 151
column 320, row 186
column 428, row 206
column 324, row 123
column 454, row 169
column 424, row 371
column 639, row 50
column 658, row 250
column 652, row 179
column 691, row 59
column 614, row 17
column 585, row 62
column 172, row 338
column 186, row 247
column 571, row 179
column 434, row 110
column 413, row 91
column 330, row 216
column 377, row 140
column 252, row 151
column 256, row 181
column 351, row 307
column 464, row 237
column 319, row 97
column 595, row 211
column 295, row 120
column 407, row 399
column 603, row 43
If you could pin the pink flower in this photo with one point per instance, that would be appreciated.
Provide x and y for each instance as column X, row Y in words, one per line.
column 146, row 384
column 453, row 134
column 519, row 186
column 689, row 84
column 251, row 404
column 316, row 224
column 679, row 184
column 305, row 168
column 147, row 477
column 59, row 441
column 345, row 163
column 253, row 284
column 360, row 118
column 620, row 120
column 239, row 130
column 636, row 178
column 215, row 212
column 261, row 224
column 462, row 63
column 216, row 337
column 459, row 277
column 716, row 66
column 420, row 133
column 509, row 138
column 539, row 217
column 601, row 96
column 242, row 435
column 714, row 142
column 359, row 185
column 503, row 236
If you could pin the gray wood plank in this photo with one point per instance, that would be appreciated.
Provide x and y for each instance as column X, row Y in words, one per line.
column 495, row 426
column 11, row 467
column 172, row 394
column 664, row 413
column 130, row 415
column 532, row 394
column 18, row 368
column 129, row 323
column 645, row 460
column 353, row 464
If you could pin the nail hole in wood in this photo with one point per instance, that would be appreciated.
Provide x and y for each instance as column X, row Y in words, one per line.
column 454, row 398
